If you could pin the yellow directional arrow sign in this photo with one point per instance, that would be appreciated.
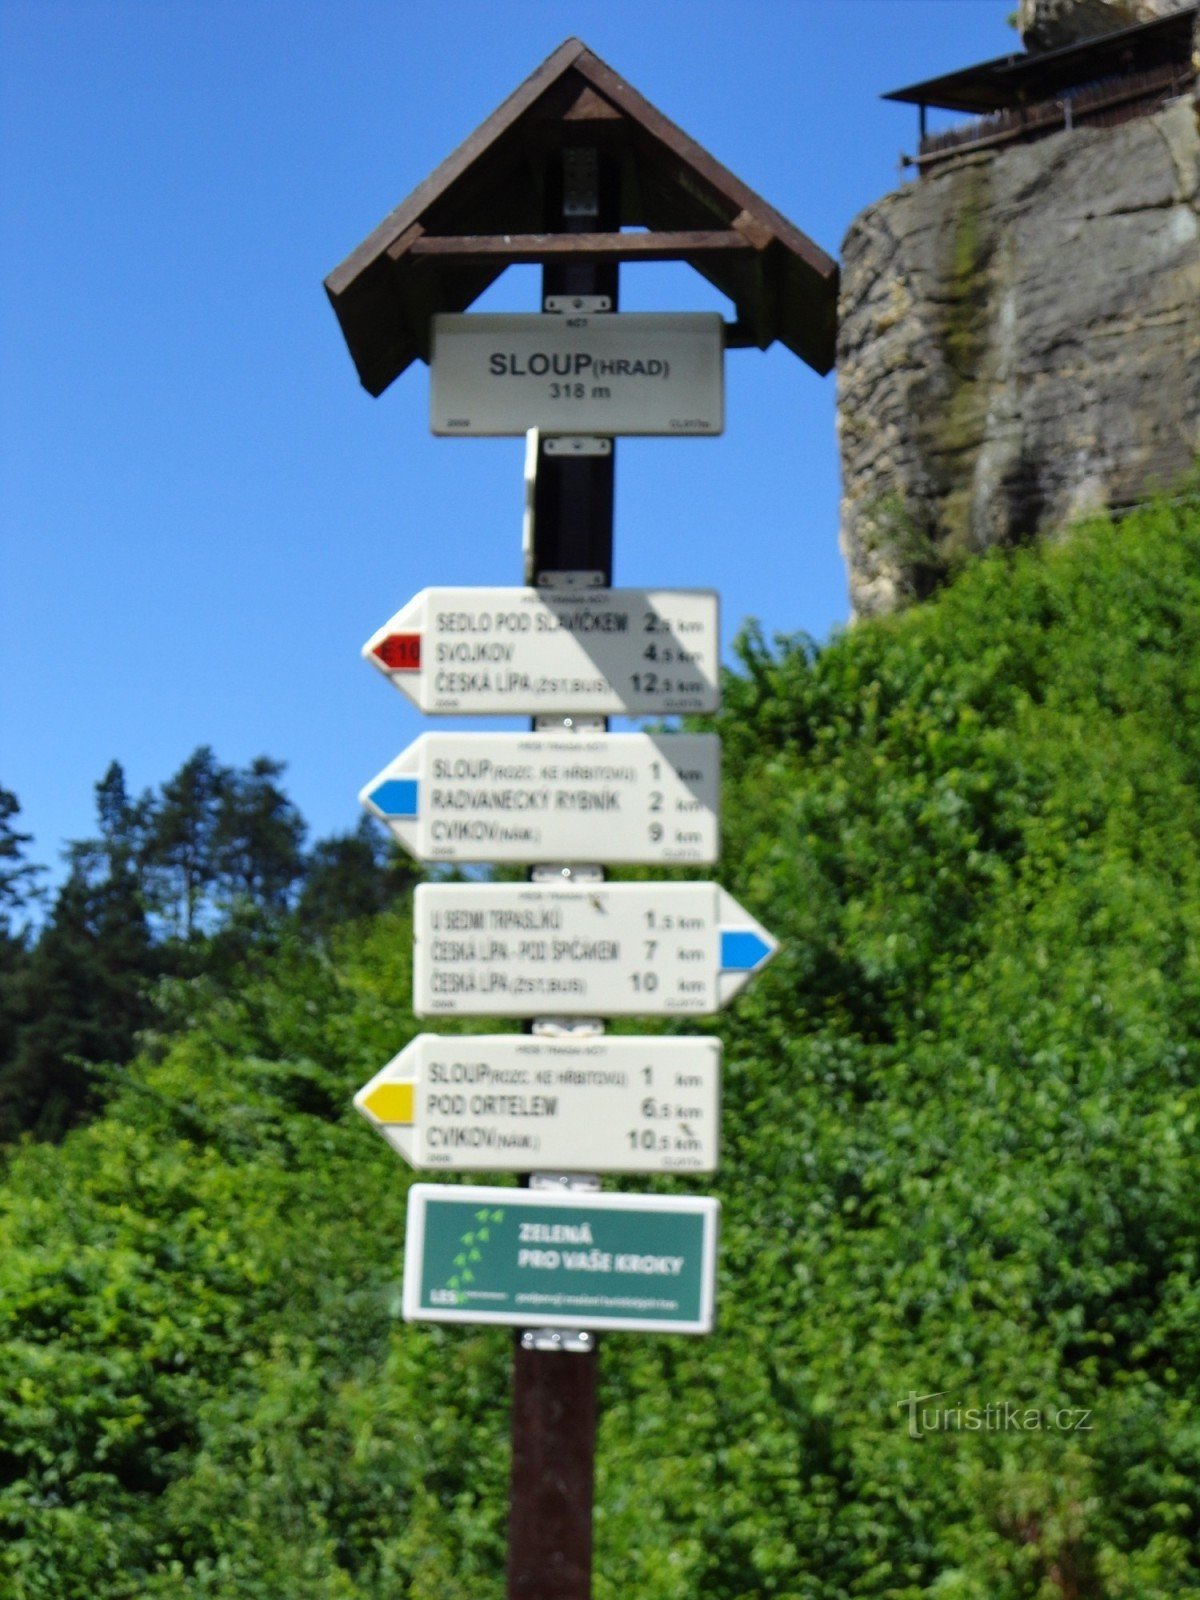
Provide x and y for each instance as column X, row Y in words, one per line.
column 511, row 1102
column 389, row 1102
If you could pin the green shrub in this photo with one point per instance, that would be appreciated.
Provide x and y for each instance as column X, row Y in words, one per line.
column 960, row 1122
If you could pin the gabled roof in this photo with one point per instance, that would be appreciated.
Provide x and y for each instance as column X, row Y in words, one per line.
column 482, row 208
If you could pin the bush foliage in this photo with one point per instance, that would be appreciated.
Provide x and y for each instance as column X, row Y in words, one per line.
column 959, row 1159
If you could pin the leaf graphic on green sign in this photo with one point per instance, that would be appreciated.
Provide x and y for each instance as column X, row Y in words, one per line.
column 470, row 1251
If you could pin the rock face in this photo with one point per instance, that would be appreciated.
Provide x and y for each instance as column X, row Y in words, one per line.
column 1019, row 344
column 1050, row 24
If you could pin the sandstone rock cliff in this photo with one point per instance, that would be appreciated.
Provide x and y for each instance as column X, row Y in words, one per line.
column 1020, row 342
column 1050, row 24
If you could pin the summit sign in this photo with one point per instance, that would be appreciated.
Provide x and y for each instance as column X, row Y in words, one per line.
column 614, row 373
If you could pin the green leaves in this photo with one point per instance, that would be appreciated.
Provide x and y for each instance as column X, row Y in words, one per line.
column 959, row 1160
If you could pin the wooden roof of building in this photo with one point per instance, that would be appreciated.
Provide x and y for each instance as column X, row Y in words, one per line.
column 1008, row 82
column 481, row 210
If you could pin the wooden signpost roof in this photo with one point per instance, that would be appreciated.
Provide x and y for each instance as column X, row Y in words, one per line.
column 482, row 210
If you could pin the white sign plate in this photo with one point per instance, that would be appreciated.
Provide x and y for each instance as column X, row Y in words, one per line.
column 513, row 1102
column 604, row 949
column 616, row 373
column 606, row 797
column 475, row 652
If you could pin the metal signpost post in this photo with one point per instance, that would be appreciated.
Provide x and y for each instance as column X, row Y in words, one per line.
column 577, row 154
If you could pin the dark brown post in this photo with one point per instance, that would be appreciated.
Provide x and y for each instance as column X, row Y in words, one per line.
column 573, row 499
column 554, row 1391
column 550, row 1497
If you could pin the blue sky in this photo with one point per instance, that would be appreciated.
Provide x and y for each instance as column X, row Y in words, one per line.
column 202, row 516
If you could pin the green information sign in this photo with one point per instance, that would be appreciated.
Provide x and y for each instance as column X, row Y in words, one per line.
column 532, row 1258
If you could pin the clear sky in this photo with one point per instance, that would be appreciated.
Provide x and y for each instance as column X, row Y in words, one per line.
column 202, row 515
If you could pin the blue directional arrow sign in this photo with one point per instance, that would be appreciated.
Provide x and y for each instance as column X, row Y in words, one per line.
column 743, row 949
column 573, row 796
column 395, row 798
column 574, row 949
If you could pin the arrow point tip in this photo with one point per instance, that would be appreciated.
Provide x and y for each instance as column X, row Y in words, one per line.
column 744, row 949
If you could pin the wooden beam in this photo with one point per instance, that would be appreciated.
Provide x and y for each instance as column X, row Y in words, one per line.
column 460, row 161
column 590, row 247
column 402, row 245
column 752, row 229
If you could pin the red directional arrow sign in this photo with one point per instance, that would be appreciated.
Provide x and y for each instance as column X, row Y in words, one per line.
column 645, row 652
column 399, row 652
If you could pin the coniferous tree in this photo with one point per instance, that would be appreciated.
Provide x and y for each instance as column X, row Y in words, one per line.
column 80, row 996
column 18, row 891
column 18, row 878
column 122, row 848
column 258, row 842
column 352, row 875
column 180, row 846
column 193, row 878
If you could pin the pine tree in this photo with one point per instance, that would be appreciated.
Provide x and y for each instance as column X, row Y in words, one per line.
column 180, row 844
column 80, row 993
column 18, row 878
column 353, row 875
column 18, row 891
column 257, row 841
